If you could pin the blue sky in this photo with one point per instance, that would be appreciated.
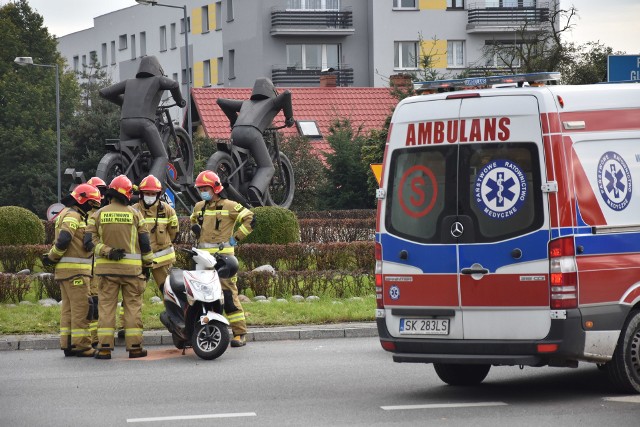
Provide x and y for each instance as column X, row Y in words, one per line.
column 615, row 23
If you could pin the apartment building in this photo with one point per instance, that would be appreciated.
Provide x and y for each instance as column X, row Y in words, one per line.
column 232, row 42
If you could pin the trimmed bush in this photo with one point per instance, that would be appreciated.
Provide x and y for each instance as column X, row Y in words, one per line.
column 16, row 258
column 20, row 226
column 13, row 287
column 274, row 225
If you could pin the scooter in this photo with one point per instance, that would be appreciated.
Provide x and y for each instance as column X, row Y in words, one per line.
column 193, row 301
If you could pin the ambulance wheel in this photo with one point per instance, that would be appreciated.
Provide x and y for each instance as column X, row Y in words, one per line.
column 211, row 340
column 463, row 375
column 624, row 368
column 177, row 341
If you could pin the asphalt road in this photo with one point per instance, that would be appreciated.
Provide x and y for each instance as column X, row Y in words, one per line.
column 325, row 382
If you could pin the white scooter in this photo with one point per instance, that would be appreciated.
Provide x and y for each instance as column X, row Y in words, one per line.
column 193, row 302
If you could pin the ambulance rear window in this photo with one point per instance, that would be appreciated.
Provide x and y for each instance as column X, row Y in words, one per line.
column 492, row 188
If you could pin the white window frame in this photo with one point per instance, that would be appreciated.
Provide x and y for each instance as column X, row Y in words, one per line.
column 143, row 43
column 220, row 71
column 323, row 56
column 173, row 35
column 312, row 5
column 452, row 54
column 493, row 61
column 163, row 38
column 113, row 52
column 122, row 42
column 104, row 59
column 400, row 44
column 206, row 73
column 205, row 19
column 230, row 13
column 397, row 5
column 455, row 4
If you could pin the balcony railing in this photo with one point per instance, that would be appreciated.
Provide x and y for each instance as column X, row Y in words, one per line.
column 481, row 18
column 311, row 22
column 283, row 75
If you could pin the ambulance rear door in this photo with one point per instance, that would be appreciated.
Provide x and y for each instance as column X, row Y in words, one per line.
column 501, row 226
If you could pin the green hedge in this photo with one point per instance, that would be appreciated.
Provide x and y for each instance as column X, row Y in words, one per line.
column 274, row 225
column 20, row 226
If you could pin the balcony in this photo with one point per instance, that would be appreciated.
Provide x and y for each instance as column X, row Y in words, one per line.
column 311, row 22
column 282, row 75
column 483, row 19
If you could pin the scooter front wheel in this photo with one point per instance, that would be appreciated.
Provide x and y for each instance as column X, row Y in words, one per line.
column 211, row 340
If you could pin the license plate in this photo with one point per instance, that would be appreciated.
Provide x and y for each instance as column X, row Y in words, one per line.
column 424, row 326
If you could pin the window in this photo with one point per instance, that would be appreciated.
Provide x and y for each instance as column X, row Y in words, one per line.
column 103, row 61
column 182, row 28
column 173, row 36
column 163, row 38
column 313, row 4
column 232, row 66
column 313, row 56
column 405, row 55
column 133, row 46
column 143, row 44
column 76, row 63
column 502, row 55
column 174, row 76
column 220, row 71
column 510, row 3
column 229, row 10
column 455, row 4
column 184, row 76
column 205, row 19
column 207, row 73
column 122, row 42
column 84, row 60
column 219, row 15
column 405, row 4
column 113, row 52
column 455, row 53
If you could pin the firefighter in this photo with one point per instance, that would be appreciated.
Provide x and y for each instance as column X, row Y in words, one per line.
column 120, row 241
column 73, row 270
column 162, row 223
column 214, row 222
column 93, row 287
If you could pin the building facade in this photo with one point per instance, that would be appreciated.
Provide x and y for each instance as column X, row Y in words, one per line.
column 362, row 42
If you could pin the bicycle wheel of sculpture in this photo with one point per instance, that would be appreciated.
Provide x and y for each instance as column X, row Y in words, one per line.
column 282, row 185
column 181, row 158
column 111, row 165
column 222, row 164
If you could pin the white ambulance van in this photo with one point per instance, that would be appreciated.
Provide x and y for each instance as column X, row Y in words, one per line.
column 508, row 229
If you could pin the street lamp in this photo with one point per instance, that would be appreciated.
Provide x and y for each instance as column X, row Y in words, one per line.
column 27, row 60
column 186, row 54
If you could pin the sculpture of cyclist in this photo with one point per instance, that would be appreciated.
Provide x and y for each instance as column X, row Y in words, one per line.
column 248, row 120
column 139, row 99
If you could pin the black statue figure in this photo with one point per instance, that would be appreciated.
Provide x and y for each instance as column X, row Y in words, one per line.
column 249, row 119
column 139, row 99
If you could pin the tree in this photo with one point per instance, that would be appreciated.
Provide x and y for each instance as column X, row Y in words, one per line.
column 346, row 173
column 589, row 64
column 28, row 109
column 308, row 172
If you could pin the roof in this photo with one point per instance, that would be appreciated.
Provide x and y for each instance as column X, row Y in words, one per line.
column 363, row 106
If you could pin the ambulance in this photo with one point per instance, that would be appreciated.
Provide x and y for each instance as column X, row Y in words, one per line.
column 508, row 228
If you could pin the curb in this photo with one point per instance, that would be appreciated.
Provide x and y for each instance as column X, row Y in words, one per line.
column 157, row 337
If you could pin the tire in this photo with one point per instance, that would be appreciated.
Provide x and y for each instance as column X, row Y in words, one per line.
column 281, row 188
column 111, row 165
column 222, row 164
column 624, row 368
column 182, row 148
column 211, row 340
column 461, row 375
column 178, row 342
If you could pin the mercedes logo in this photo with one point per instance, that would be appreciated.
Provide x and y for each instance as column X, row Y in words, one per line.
column 457, row 229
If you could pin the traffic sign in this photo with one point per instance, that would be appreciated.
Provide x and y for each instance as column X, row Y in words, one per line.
column 621, row 68
column 54, row 210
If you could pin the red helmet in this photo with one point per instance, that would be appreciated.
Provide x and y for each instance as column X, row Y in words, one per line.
column 122, row 185
column 150, row 184
column 97, row 182
column 85, row 192
column 209, row 179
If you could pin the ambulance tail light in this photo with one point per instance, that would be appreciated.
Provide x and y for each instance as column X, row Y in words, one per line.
column 563, row 276
column 378, row 273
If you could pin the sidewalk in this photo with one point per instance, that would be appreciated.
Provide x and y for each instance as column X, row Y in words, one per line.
column 162, row 337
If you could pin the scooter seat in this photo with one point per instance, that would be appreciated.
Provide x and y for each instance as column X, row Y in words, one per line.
column 176, row 280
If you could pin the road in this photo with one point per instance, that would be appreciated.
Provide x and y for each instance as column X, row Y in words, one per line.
column 329, row 382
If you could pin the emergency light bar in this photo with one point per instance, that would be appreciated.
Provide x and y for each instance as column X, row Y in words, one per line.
column 483, row 82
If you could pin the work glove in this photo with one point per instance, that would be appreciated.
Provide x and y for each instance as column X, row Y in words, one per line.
column 46, row 261
column 233, row 241
column 290, row 122
column 115, row 254
column 196, row 230
column 183, row 103
column 147, row 273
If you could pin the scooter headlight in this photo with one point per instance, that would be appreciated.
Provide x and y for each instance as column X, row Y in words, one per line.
column 203, row 289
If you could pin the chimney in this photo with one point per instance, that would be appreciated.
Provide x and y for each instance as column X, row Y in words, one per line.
column 328, row 78
column 401, row 81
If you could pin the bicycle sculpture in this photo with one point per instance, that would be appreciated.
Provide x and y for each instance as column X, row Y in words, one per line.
column 252, row 163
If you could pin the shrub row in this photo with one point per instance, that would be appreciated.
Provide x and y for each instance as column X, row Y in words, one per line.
column 342, row 214
column 13, row 287
column 332, row 283
column 16, row 258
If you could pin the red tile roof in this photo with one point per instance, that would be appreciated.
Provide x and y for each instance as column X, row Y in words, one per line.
column 363, row 106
